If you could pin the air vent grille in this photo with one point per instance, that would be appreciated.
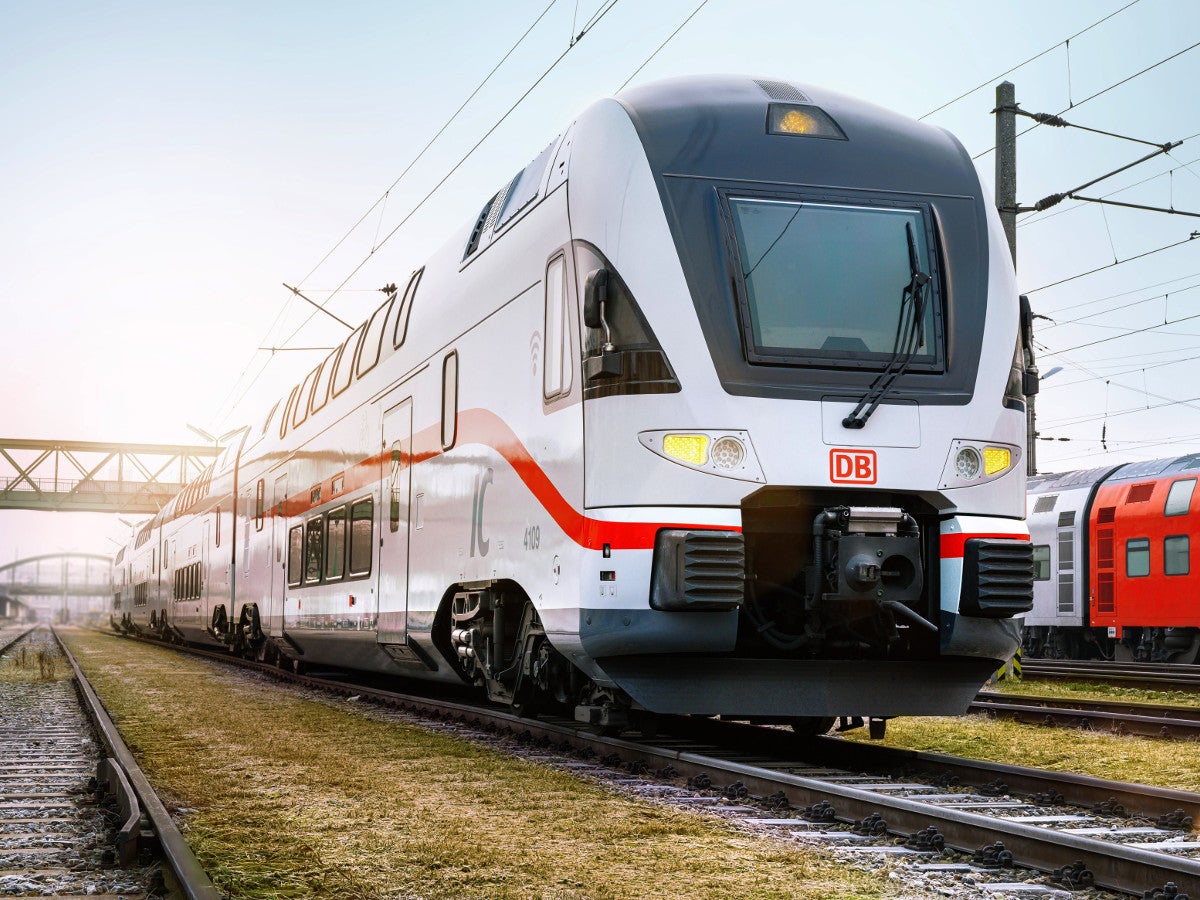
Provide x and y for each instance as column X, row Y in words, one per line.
column 782, row 91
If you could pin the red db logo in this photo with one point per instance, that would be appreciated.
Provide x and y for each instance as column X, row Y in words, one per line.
column 852, row 466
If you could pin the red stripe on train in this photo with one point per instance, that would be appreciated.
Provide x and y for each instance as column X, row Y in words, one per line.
column 953, row 546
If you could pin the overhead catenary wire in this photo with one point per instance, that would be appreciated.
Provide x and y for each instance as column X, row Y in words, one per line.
column 670, row 38
column 1191, row 237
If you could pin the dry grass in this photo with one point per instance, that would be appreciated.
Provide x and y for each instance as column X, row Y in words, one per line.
column 1082, row 690
column 28, row 664
column 291, row 798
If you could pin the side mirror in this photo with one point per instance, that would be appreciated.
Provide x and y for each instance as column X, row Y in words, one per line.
column 595, row 296
column 1026, row 323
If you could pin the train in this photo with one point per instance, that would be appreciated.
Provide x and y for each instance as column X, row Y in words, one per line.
column 1112, row 559
column 717, row 407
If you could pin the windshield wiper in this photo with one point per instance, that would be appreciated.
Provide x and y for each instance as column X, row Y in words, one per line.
column 910, row 334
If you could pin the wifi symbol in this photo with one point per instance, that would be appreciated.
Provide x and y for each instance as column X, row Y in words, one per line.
column 535, row 349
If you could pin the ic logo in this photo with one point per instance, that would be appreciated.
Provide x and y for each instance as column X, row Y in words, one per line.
column 852, row 466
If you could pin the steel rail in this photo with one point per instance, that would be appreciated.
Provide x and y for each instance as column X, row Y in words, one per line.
column 1117, row 867
column 193, row 880
column 1154, row 676
column 1144, row 719
column 18, row 639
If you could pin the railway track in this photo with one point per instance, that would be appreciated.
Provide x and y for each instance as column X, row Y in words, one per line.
column 72, row 822
column 1152, row 676
column 1127, row 838
column 1143, row 719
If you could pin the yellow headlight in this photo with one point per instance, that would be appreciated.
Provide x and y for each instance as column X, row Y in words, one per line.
column 688, row 448
column 996, row 459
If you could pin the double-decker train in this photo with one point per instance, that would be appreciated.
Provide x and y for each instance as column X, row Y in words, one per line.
column 1112, row 561
column 716, row 408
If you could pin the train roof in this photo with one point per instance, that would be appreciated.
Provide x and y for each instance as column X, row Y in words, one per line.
column 1150, row 468
column 1114, row 474
column 1062, row 481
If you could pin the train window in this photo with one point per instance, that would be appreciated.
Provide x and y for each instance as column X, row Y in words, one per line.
column 270, row 416
column 362, row 515
column 300, row 411
column 335, row 544
column 216, row 533
column 283, row 420
column 321, row 391
column 400, row 332
column 525, row 187
column 314, row 555
column 1137, row 557
column 823, row 282
column 449, row 400
column 398, row 464
column 373, row 339
column 485, row 215
column 556, row 369
column 1041, row 563
column 1176, row 555
column 295, row 560
column 259, row 500
column 344, row 373
column 1180, row 497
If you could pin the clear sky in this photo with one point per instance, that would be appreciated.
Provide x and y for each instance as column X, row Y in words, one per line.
column 165, row 166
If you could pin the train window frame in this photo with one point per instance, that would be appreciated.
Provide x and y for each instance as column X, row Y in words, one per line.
column 325, row 381
column 314, row 549
column 340, row 513
column 1143, row 547
column 343, row 365
column 287, row 410
column 1041, row 562
column 304, row 400
column 449, row 400
column 356, row 544
column 834, row 359
column 370, row 338
column 1170, row 554
column 216, row 534
column 260, row 496
column 295, row 558
column 404, row 312
column 557, row 337
column 1175, row 496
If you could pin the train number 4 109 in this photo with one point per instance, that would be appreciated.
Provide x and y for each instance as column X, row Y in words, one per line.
column 533, row 537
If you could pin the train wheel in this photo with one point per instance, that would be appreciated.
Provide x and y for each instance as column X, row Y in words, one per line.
column 811, row 726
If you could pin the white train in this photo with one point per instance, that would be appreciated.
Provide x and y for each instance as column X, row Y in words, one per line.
column 713, row 409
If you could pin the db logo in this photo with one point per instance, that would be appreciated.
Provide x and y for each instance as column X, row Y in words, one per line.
column 852, row 466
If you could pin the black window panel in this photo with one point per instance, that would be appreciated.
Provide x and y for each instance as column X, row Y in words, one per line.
column 258, row 505
column 314, row 549
column 361, row 518
column 335, row 544
column 295, row 556
column 449, row 400
column 1137, row 557
column 1176, row 555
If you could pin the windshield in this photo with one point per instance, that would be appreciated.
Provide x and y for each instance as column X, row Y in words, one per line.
column 823, row 282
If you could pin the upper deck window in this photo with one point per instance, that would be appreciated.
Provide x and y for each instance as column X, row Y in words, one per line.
column 824, row 283
column 1180, row 497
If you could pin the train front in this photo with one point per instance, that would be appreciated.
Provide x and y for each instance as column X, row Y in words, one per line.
column 801, row 363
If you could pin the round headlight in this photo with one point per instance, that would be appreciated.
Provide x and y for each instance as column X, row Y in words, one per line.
column 968, row 463
column 728, row 453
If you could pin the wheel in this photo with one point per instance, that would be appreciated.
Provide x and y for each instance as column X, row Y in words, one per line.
column 811, row 726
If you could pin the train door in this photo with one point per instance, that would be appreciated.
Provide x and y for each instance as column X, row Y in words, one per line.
column 279, row 537
column 392, row 525
column 207, row 600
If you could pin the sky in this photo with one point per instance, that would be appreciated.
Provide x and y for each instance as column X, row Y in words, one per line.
column 165, row 168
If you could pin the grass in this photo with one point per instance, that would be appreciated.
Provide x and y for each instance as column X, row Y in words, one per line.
column 24, row 663
column 1082, row 690
column 287, row 797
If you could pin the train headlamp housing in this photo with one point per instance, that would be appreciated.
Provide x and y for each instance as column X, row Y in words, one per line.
column 726, row 453
column 802, row 120
column 977, row 462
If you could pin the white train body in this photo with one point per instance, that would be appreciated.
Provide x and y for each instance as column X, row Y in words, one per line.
column 653, row 524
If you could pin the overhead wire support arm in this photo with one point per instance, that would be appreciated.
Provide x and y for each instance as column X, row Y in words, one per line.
column 318, row 306
column 1055, row 199
column 1159, row 209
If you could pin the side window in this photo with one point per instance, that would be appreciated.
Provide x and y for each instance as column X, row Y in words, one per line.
column 400, row 332
column 344, row 372
column 449, row 400
column 314, row 556
column 258, row 505
column 373, row 339
column 335, row 544
column 283, row 420
column 1041, row 563
column 300, row 411
column 295, row 560
column 321, row 392
column 362, row 515
column 1180, row 497
column 1176, row 555
column 557, row 366
column 1137, row 557
column 216, row 529
column 398, row 464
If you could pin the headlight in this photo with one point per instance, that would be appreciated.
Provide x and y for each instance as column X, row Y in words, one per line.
column 975, row 462
column 729, row 454
column 688, row 448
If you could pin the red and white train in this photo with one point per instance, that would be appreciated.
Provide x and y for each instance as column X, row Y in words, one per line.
column 712, row 409
column 1112, row 557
